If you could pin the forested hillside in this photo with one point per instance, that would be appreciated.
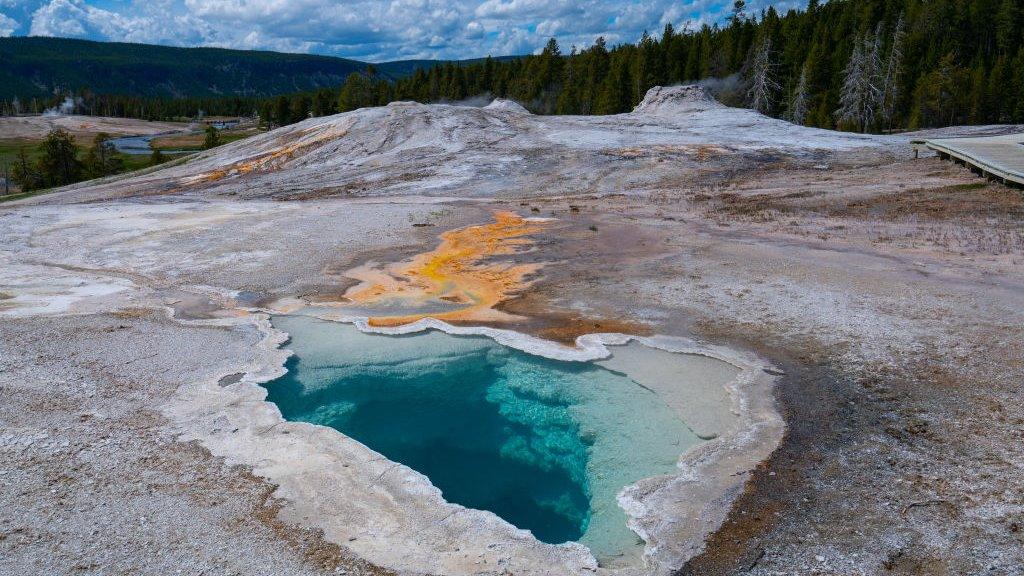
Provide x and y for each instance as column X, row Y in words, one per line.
column 852, row 64
column 38, row 67
column 868, row 65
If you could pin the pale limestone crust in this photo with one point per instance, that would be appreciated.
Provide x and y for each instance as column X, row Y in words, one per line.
column 381, row 510
column 504, row 105
column 874, row 294
column 394, row 517
column 407, row 148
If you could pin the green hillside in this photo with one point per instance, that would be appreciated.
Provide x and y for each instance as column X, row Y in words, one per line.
column 35, row 66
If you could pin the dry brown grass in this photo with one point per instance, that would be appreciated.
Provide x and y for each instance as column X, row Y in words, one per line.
column 977, row 199
column 195, row 140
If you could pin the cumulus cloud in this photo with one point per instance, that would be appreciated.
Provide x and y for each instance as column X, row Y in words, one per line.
column 75, row 18
column 368, row 29
column 7, row 26
column 154, row 21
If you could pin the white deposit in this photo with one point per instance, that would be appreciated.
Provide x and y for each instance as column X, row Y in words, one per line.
column 416, row 149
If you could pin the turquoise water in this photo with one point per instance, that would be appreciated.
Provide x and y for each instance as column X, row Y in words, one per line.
column 544, row 444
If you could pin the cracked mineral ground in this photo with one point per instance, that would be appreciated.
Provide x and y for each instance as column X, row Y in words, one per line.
column 433, row 339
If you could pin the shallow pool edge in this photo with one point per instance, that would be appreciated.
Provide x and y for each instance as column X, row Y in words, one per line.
column 237, row 423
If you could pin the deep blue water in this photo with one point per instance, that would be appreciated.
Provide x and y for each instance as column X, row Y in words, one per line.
column 544, row 444
column 443, row 425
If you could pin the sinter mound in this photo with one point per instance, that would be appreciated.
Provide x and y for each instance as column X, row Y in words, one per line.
column 677, row 99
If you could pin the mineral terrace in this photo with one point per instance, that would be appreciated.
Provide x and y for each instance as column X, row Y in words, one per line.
column 871, row 300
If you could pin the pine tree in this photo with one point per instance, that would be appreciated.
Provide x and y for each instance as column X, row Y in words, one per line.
column 851, row 99
column 266, row 113
column 940, row 95
column 487, row 76
column 599, row 63
column 298, row 109
column 568, row 98
column 797, row 112
column 357, row 92
column 324, row 103
column 282, row 115
column 101, row 158
column 668, row 53
column 58, row 162
column 25, row 174
column 649, row 70
column 616, row 91
column 1007, row 25
column 1018, row 87
column 738, row 13
column 212, row 139
column 977, row 105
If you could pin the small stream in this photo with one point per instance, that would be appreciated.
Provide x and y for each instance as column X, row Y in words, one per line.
column 139, row 145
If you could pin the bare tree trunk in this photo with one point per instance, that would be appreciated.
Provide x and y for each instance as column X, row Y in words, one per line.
column 859, row 98
column 763, row 86
column 890, row 85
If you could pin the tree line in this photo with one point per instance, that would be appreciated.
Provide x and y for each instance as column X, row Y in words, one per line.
column 865, row 65
column 141, row 107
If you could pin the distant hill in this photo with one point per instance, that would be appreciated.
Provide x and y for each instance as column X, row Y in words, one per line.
column 36, row 66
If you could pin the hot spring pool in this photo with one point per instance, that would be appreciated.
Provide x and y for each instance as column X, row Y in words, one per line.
column 544, row 444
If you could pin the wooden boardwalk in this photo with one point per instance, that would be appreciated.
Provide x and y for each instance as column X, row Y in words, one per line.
column 997, row 157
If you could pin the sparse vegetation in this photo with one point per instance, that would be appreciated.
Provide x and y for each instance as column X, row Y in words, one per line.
column 58, row 160
column 194, row 141
column 102, row 158
column 212, row 139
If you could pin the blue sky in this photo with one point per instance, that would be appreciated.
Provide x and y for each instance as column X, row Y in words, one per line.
column 366, row 30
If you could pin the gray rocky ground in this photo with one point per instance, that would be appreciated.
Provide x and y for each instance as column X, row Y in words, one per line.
column 91, row 484
column 887, row 289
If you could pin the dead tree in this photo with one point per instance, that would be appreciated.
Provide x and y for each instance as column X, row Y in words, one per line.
column 763, row 87
column 890, row 90
column 859, row 98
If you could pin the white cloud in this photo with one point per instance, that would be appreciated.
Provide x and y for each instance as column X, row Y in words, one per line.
column 7, row 26
column 368, row 29
column 150, row 24
column 475, row 30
